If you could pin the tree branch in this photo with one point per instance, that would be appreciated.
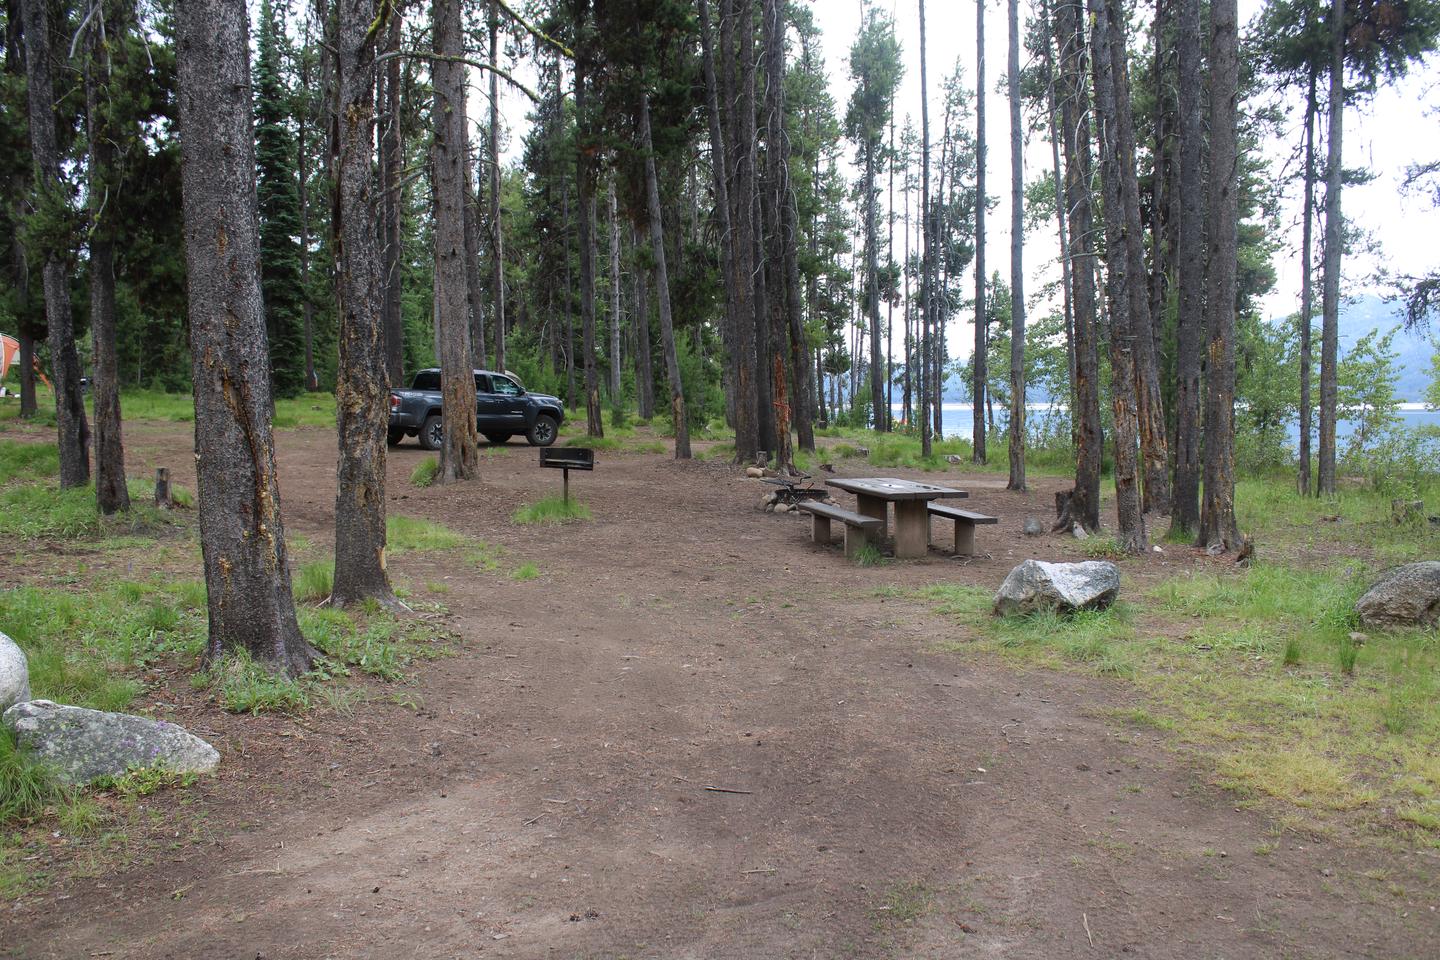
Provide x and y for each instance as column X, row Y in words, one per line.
column 477, row 64
column 535, row 32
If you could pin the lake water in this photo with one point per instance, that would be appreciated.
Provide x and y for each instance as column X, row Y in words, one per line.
column 958, row 419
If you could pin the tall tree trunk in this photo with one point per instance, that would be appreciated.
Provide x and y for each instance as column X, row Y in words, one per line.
column 1119, row 288
column 569, row 304
column 719, row 168
column 585, row 182
column 362, row 409
column 1061, row 208
column 1190, row 269
column 872, row 298
column 1079, row 194
column 392, row 162
column 662, row 288
column 474, row 276
column 242, row 534
column 1155, row 495
column 1330, row 293
column 497, row 232
column 1217, row 511
column 1017, row 266
column 1307, row 289
column 616, row 399
column 72, row 430
column 18, row 199
column 979, row 367
column 773, row 250
column 111, row 494
column 459, row 454
column 641, row 349
column 927, row 240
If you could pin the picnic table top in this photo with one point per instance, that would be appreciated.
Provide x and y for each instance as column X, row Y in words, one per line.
column 893, row 488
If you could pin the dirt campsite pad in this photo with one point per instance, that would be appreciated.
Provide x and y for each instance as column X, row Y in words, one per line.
column 695, row 734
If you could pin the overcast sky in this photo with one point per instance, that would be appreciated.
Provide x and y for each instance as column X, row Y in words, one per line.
column 1385, row 135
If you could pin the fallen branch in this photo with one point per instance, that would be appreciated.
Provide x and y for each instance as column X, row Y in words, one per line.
column 727, row 790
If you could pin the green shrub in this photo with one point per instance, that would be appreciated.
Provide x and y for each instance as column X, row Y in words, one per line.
column 425, row 471
column 314, row 581
column 551, row 510
column 415, row 533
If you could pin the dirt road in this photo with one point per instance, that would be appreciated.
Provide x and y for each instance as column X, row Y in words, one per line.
column 696, row 735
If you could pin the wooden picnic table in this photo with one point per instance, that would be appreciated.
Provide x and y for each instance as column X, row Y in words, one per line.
column 911, row 499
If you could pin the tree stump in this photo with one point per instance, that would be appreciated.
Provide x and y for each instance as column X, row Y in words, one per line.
column 162, row 489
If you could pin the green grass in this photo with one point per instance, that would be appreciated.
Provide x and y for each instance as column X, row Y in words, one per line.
column 524, row 572
column 28, row 461
column 424, row 473
column 41, row 511
column 404, row 534
column 1255, row 672
column 314, row 581
column 306, row 410
column 869, row 555
column 26, row 789
column 551, row 510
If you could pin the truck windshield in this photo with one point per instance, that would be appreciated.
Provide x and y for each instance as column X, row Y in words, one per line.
column 427, row 380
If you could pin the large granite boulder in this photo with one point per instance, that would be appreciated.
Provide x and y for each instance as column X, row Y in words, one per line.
column 1065, row 587
column 14, row 673
column 1406, row 596
column 82, row 745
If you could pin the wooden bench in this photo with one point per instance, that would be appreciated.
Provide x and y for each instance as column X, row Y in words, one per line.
column 965, row 523
column 859, row 529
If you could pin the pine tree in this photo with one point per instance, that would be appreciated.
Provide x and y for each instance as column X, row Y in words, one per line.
column 275, row 161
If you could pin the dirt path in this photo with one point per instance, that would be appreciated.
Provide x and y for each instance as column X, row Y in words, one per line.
column 548, row 797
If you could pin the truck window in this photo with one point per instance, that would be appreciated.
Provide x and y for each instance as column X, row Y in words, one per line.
column 505, row 385
column 427, row 380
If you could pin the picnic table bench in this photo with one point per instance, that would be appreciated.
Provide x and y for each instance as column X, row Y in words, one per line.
column 965, row 523
column 859, row 529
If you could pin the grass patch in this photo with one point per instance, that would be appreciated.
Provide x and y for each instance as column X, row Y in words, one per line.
column 414, row 533
column 314, row 581
column 524, row 572
column 551, row 510
column 26, row 788
column 425, row 471
column 28, row 461
column 1104, row 548
column 869, row 555
column 41, row 511
column 903, row 903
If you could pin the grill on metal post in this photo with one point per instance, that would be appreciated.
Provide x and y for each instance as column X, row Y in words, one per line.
column 567, row 459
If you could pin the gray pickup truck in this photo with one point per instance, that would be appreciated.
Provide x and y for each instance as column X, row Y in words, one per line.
column 503, row 408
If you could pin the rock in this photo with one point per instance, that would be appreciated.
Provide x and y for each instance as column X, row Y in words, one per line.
column 1033, row 527
column 83, row 745
column 754, row 472
column 862, row 451
column 1406, row 511
column 14, row 673
column 954, row 458
column 1066, row 587
column 783, row 508
column 1405, row 596
column 1358, row 638
column 1079, row 532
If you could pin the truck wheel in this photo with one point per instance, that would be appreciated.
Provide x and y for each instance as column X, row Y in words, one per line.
column 432, row 432
column 542, row 434
column 497, row 438
column 394, row 436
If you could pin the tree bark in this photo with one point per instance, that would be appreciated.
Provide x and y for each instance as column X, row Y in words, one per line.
column 1307, row 290
column 392, row 162
column 739, row 168
column 474, row 277
column 497, row 232
column 242, row 535
column 1075, row 121
column 1119, row 285
column 1153, row 443
column 1330, row 293
column 772, row 250
column 927, row 250
column 459, row 455
column 72, row 430
column 1217, row 510
column 1190, row 269
column 978, row 364
column 1017, row 267
column 362, row 408
column 585, row 182
column 111, row 494
column 662, row 288
column 640, row 350
column 616, row 400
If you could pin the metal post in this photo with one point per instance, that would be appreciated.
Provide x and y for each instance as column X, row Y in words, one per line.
column 566, row 472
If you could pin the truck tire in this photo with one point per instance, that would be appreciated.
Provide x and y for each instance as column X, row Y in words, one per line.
column 497, row 438
column 393, row 436
column 432, row 432
column 543, row 432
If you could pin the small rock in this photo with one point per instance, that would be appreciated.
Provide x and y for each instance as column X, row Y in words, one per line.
column 754, row 472
column 1157, row 549
column 783, row 508
column 954, row 458
column 1036, row 585
column 1358, row 638
column 1408, row 595
column 862, row 451
column 828, row 467
column 1033, row 527
column 1079, row 532
column 14, row 674
column 82, row 745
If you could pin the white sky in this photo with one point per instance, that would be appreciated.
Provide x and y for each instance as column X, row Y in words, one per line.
column 1386, row 134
